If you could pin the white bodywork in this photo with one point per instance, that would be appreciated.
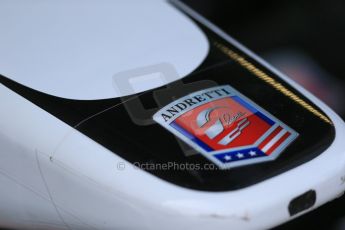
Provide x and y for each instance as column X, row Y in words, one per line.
column 72, row 49
column 54, row 177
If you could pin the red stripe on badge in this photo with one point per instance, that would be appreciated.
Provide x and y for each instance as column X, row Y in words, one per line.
column 270, row 137
column 278, row 143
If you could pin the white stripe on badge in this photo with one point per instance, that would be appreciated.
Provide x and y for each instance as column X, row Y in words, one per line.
column 274, row 140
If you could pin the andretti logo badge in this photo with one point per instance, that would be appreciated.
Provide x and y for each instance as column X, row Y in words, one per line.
column 226, row 127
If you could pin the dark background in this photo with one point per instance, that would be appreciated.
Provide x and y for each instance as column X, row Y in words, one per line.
column 304, row 39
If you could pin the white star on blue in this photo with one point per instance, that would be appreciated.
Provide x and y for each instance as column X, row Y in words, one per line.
column 244, row 154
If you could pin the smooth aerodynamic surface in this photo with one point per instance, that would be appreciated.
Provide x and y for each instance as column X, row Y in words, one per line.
column 144, row 115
